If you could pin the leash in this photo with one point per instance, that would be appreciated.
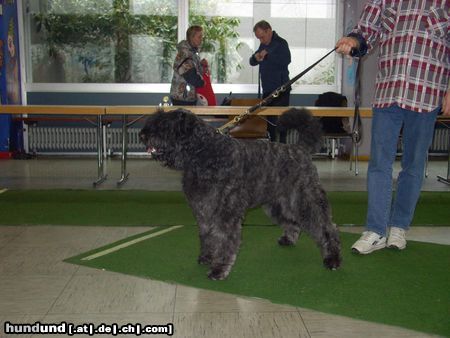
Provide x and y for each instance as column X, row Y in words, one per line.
column 356, row 133
column 357, row 123
column 264, row 102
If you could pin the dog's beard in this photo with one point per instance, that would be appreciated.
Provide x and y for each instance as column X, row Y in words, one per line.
column 151, row 145
column 164, row 155
column 154, row 152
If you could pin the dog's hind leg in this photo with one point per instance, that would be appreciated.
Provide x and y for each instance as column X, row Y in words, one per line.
column 291, row 230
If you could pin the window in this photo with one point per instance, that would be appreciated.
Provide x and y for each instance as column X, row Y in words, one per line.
column 107, row 42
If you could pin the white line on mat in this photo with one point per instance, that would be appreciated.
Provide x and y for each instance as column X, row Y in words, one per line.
column 129, row 243
column 3, row 190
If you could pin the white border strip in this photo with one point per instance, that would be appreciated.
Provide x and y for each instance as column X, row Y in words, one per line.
column 129, row 243
column 162, row 88
column 3, row 190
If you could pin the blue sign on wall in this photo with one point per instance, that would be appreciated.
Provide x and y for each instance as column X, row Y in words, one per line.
column 9, row 67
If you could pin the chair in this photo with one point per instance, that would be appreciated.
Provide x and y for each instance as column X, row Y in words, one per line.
column 333, row 127
column 253, row 127
column 338, row 128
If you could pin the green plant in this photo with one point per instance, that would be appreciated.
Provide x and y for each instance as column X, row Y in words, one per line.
column 219, row 36
column 67, row 24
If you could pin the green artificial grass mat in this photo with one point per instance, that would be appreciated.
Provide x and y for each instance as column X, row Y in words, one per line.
column 136, row 207
column 406, row 288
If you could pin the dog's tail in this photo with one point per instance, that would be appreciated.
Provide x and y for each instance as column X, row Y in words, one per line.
column 309, row 128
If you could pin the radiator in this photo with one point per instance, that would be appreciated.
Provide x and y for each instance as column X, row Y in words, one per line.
column 79, row 140
column 439, row 145
column 440, row 140
column 61, row 139
column 84, row 140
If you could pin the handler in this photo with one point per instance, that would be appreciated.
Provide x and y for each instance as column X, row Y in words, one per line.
column 273, row 57
column 412, row 87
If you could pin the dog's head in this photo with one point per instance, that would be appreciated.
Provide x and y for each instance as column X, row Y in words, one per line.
column 172, row 137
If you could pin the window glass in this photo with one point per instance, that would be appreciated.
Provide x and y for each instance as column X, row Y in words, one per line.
column 102, row 41
column 309, row 26
column 134, row 41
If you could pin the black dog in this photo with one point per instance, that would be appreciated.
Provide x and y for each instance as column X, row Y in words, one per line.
column 223, row 177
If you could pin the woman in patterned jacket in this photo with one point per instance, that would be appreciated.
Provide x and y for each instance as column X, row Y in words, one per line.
column 187, row 69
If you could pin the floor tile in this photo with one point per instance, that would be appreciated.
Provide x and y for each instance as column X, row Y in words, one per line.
column 114, row 293
column 197, row 300
column 235, row 324
column 53, row 235
column 9, row 233
column 27, row 294
column 37, row 260
column 322, row 325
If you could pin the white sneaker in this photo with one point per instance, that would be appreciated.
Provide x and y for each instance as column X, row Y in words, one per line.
column 397, row 238
column 369, row 242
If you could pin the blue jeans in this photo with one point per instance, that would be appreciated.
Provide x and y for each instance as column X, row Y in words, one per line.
column 416, row 136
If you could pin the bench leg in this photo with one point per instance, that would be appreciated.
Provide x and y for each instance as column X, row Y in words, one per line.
column 124, row 174
column 101, row 177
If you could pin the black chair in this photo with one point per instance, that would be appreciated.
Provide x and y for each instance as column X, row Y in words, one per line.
column 338, row 128
column 334, row 128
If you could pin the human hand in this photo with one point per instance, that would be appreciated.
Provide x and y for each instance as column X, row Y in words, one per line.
column 261, row 55
column 446, row 104
column 346, row 44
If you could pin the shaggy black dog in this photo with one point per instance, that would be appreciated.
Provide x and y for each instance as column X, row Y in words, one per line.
column 223, row 177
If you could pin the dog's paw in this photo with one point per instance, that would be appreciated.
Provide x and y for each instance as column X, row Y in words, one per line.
column 218, row 273
column 283, row 240
column 204, row 260
column 332, row 262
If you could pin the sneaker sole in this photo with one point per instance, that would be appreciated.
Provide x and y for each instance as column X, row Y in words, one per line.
column 392, row 246
column 354, row 250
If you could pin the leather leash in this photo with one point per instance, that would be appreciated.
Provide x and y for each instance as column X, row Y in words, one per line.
column 276, row 93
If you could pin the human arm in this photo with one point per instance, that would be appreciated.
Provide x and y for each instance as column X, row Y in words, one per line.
column 257, row 57
column 365, row 34
column 353, row 44
column 193, row 78
column 189, row 72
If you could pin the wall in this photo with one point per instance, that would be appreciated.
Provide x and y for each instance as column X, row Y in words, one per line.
column 352, row 11
column 10, row 133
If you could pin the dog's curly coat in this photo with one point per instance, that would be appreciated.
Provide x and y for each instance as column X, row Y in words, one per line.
column 223, row 177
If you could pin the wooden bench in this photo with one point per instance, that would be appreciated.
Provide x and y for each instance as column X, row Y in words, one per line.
column 134, row 113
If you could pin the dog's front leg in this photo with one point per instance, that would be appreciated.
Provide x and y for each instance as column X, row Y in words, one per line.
column 225, row 246
column 205, row 256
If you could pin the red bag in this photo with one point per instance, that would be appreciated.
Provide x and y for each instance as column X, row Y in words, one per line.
column 205, row 94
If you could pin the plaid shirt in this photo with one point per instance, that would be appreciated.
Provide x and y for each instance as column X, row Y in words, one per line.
column 414, row 55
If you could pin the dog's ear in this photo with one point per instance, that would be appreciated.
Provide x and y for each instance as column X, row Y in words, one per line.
column 184, row 112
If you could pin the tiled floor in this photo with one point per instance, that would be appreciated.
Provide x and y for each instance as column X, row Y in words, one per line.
column 35, row 285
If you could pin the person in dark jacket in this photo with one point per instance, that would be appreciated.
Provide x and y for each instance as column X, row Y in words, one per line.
column 273, row 57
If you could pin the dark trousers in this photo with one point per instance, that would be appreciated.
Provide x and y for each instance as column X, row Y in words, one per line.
column 281, row 101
